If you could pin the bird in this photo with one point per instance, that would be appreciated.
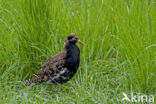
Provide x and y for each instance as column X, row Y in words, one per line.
column 61, row 67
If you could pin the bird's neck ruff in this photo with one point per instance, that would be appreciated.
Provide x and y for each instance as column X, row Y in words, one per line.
column 69, row 46
column 72, row 57
column 72, row 51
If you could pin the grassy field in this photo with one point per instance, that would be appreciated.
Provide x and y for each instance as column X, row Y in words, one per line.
column 120, row 57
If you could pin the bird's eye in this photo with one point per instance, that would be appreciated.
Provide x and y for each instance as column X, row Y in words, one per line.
column 69, row 37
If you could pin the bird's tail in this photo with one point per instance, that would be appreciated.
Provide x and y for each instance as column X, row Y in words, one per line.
column 28, row 83
column 32, row 81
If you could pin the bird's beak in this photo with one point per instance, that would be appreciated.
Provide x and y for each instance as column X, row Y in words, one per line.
column 79, row 41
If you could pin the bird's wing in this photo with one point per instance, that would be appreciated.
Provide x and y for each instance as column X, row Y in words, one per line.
column 51, row 67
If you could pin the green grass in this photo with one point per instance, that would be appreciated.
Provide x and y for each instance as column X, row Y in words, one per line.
column 120, row 57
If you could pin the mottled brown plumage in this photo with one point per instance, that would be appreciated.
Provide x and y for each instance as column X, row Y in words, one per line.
column 62, row 67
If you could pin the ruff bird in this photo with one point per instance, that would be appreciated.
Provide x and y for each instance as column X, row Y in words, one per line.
column 61, row 67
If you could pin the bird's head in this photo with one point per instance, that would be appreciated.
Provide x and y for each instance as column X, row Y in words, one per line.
column 73, row 39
